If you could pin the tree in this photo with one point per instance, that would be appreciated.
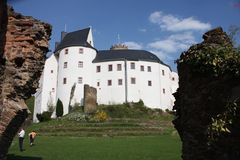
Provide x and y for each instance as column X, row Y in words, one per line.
column 59, row 108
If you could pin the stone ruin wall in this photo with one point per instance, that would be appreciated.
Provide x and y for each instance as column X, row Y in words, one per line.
column 203, row 96
column 24, row 44
column 90, row 99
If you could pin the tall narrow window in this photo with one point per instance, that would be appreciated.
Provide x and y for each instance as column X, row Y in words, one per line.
column 98, row 69
column 149, row 83
column 80, row 64
column 66, row 51
column 142, row 68
column 53, row 89
column 119, row 67
column 51, row 71
column 109, row 82
column 64, row 80
column 164, row 91
column 149, row 69
column 65, row 65
column 110, row 67
column 163, row 73
column 120, row 81
column 80, row 80
column 132, row 65
column 133, row 80
column 81, row 50
column 98, row 84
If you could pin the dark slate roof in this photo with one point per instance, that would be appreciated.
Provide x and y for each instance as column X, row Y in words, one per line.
column 126, row 54
column 77, row 38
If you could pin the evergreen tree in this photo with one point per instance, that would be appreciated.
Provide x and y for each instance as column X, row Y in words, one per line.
column 59, row 108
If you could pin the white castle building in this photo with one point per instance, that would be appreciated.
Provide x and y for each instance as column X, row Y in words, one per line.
column 120, row 75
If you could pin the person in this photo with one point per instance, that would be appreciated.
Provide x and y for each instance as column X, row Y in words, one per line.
column 21, row 135
column 32, row 136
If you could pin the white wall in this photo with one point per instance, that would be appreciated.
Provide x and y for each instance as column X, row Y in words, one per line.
column 46, row 93
column 72, row 72
column 114, row 94
column 152, row 96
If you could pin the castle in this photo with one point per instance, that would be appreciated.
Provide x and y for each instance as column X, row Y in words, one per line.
column 120, row 75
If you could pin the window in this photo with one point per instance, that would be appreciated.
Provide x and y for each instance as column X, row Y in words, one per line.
column 81, row 50
column 64, row 80
column 65, row 65
column 109, row 82
column 163, row 72
column 149, row 83
column 66, row 51
column 120, row 82
column 80, row 64
column 80, row 80
column 51, row 71
column 98, row 84
column 164, row 91
column 133, row 80
column 98, row 69
column 132, row 65
column 142, row 68
column 110, row 67
column 149, row 69
column 173, row 79
column 53, row 89
column 119, row 67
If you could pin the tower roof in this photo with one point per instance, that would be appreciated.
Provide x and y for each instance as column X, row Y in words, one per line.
column 77, row 38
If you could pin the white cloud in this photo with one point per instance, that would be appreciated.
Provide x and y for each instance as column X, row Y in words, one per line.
column 163, row 55
column 166, row 45
column 171, row 23
column 142, row 30
column 133, row 45
column 172, row 46
column 174, row 43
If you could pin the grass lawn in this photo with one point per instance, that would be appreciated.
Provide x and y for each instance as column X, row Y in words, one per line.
column 160, row 147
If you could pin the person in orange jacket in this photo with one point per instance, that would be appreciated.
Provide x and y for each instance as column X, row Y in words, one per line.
column 32, row 136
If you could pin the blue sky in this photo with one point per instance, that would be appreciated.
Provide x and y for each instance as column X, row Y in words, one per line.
column 165, row 28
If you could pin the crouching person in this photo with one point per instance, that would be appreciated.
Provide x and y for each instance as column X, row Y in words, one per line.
column 32, row 136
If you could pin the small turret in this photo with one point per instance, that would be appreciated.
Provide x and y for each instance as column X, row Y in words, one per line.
column 119, row 47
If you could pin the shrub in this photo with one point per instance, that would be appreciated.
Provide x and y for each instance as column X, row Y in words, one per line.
column 76, row 116
column 100, row 116
column 45, row 116
column 59, row 108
